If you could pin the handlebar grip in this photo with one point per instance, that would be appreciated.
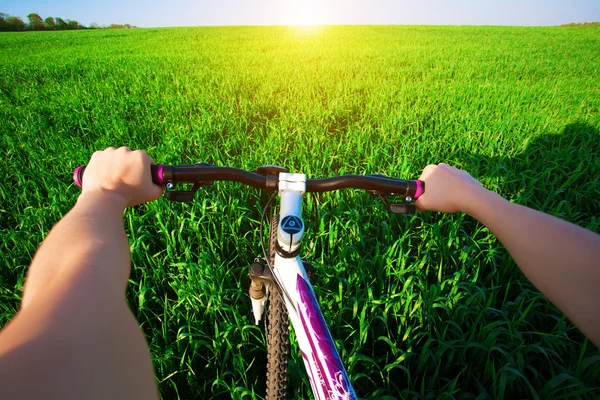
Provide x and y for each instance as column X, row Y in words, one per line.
column 78, row 175
column 155, row 170
column 420, row 189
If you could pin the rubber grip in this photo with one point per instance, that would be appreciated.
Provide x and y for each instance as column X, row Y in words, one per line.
column 155, row 170
column 420, row 189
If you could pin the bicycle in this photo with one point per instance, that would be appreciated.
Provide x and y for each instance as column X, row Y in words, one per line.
column 281, row 276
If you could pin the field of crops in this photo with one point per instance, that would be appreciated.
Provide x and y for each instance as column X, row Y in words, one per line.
column 423, row 306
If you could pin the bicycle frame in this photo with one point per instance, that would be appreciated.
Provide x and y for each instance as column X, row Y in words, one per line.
column 327, row 375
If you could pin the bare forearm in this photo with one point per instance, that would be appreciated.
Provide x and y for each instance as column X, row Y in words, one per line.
column 75, row 314
column 559, row 258
column 75, row 336
column 76, row 340
column 91, row 240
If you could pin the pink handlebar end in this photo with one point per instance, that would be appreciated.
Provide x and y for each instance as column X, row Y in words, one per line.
column 159, row 175
column 420, row 189
column 77, row 176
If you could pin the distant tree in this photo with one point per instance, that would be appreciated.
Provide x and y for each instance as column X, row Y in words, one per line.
column 120, row 26
column 36, row 23
column 15, row 24
column 9, row 23
column 597, row 23
column 50, row 24
column 72, row 25
column 60, row 23
column 3, row 21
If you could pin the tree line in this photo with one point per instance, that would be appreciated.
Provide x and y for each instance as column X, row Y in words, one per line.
column 10, row 23
column 597, row 23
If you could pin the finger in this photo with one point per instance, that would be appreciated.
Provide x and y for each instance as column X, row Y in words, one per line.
column 427, row 172
column 420, row 204
column 143, row 162
column 95, row 156
column 157, row 191
column 140, row 157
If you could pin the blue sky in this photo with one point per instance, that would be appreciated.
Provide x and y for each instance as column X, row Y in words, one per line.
column 151, row 13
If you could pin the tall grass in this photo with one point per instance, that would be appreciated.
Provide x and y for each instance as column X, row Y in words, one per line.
column 428, row 306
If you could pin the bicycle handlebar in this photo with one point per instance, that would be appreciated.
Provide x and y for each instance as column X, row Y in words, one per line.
column 204, row 173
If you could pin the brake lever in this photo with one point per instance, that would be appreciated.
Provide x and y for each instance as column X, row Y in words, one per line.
column 186, row 196
column 395, row 208
column 401, row 208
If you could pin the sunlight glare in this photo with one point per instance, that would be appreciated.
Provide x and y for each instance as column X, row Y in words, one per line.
column 305, row 13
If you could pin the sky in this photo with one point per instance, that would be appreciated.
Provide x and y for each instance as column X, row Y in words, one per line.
column 159, row 13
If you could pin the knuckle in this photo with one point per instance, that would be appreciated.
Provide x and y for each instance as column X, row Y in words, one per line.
column 140, row 157
column 141, row 154
column 96, row 155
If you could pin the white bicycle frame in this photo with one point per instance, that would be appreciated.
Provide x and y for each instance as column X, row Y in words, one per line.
column 327, row 375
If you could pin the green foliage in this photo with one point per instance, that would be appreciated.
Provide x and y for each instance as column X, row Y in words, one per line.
column 36, row 23
column 61, row 24
column 49, row 24
column 429, row 306
column 14, row 24
column 72, row 25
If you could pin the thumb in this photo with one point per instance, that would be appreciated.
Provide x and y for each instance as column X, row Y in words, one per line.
column 156, row 191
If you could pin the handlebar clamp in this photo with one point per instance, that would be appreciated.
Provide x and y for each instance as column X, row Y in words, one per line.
column 271, row 172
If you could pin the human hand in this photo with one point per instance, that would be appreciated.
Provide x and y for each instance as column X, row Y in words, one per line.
column 123, row 173
column 448, row 189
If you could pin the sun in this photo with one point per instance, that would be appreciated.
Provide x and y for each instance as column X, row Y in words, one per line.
column 305, row 13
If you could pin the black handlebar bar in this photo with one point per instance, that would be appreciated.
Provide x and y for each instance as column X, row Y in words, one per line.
column 268, row 178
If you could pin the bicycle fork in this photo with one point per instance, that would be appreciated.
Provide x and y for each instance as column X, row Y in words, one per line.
column 260, row 280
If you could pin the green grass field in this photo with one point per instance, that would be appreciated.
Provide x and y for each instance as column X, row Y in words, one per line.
column 428, row 306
